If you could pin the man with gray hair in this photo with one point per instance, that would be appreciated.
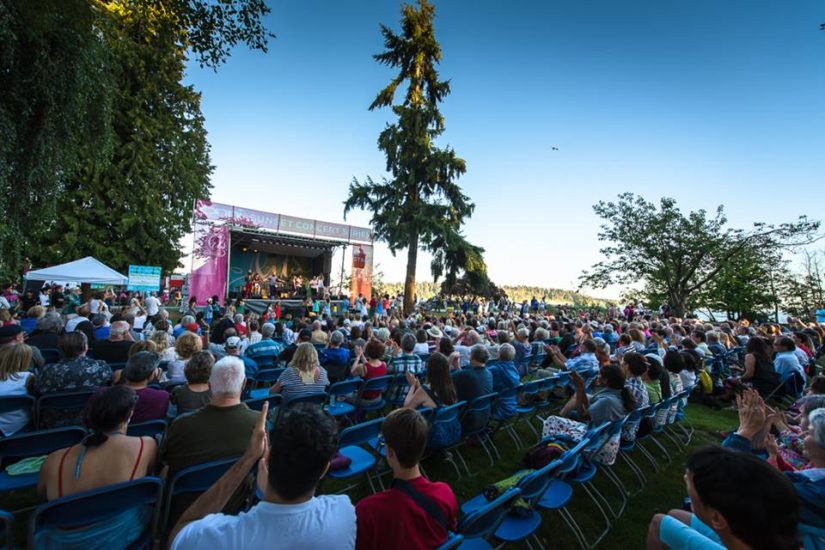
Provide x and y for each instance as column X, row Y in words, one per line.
column 47, row 332
column 318, row 334
column 464, row 341
column 116, row 348
column 474, row 382
column 219, row 430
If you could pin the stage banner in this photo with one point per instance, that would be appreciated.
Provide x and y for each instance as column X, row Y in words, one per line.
column 144, row 278
column 361, row 272
column 206, row 210
column 209, row 261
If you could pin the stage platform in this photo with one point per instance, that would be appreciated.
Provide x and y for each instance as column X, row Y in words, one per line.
column 294, row 307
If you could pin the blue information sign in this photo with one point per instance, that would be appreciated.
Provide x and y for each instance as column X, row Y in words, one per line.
column 144, row 278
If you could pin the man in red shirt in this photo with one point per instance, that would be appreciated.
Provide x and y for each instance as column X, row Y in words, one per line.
column 415, row 513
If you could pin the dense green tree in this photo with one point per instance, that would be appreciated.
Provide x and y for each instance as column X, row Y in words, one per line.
column 677, row 255
column 420, row 205
column 102, row 149
column 56, row 96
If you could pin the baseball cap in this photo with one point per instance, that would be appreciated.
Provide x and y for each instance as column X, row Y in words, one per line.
column 233, row 342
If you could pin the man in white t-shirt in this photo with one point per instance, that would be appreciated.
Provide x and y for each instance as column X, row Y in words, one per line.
column 289, row 516
column 152, row 304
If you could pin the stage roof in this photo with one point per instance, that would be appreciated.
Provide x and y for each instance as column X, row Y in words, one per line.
column 286, row 245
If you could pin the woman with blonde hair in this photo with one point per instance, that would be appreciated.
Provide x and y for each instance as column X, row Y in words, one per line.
column 29, row 322
column 304, row 375
column 15, row 379
column 187, row 345
column 162, row 347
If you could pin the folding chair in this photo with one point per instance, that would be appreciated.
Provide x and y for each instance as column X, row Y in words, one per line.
column 446, row 415
column 482, row 405
column 337, row 406
column 559, row 493
column 614, row 432
column 627, row 445
column 265, row 362
column 17, row 447
column 89, row 511
column 650, row 416
column 398, row 390
column 526, row 412
column 51, row 355
column 508, row 425
column 315, row 399
column 263, row 380
column 62, row 402
column 150, row 428
column 7, row 527
column 352, row 443
column 453, row 541
column 481, row 523
column 380, row 384
column 813, row 538
column 257, row 404
column 516, row 529
column 22, row 403
column 189, row 481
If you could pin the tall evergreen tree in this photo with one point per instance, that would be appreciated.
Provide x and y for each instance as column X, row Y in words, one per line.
column 420, row 205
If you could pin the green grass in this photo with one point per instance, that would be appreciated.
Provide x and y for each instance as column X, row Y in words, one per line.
column 663, row 491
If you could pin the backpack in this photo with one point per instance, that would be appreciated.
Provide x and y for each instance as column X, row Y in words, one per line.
column 542, row 454
column 706, row 382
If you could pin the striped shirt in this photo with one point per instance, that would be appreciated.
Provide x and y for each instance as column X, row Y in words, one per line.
column 292, row 386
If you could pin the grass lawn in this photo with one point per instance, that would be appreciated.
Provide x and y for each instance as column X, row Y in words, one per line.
column 664, row 490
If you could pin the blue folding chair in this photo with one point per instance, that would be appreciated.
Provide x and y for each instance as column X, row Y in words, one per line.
column 86, row 511
column 398, row 390
column 193, row 480
column 51, row 355
column 628, row 444
column 813, row 538
column 17, row 447
column 319, row 399
column 525, row 413
column 650, row 417
column 353, row 443
column 480, row 524
column 516, row 529
column 265, row 362
column 263, row 380
column 7, row 526
column 69, row 402
column 380, row 384
column 22, row 403
column 446, row 415
column 337, row 406
column 150, row 428
column 257, row 404
column 559, row 492
column 481, row 406
column 453, row 541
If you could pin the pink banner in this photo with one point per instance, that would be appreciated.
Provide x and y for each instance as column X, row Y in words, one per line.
column 210, row 255
column 361, row 272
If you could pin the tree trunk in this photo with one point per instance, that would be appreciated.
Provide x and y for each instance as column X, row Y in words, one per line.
column 409, row 281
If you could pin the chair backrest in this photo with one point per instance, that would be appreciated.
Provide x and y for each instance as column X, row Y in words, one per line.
column 315, row 398
column 65, row 402
column 84, row 510
column 18, row 403
column 547, row 384
column 481, row 404
column 532, row 387
column 360, row 433
column 345, row 387
column 453, row 541
column 379, row 383
column 7, row 527
column 38, row 443
column 258, row 403
column 597, row 437
column 269, row 375
column 448, row 414
column 484, row 521
column 535, row 484
column 198, row 478
column 149, row 428
column 813, row 538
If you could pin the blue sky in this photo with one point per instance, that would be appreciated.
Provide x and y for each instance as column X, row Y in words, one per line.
column 708, row 102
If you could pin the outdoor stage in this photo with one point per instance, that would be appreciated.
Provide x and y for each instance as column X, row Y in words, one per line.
column 233, row 245
column 292, row 307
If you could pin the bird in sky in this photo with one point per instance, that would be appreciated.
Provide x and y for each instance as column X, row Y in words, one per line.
column 555, row 148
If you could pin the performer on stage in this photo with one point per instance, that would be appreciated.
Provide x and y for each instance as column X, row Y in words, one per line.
column 247, row 284
column 273, row 285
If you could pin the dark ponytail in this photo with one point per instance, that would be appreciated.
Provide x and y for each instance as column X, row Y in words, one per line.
column 106, row 411
column 614, row 378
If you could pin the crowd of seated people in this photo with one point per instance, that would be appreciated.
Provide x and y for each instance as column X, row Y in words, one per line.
column 196, row 375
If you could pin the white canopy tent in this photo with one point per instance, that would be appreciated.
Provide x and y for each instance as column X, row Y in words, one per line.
column 85, row 270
